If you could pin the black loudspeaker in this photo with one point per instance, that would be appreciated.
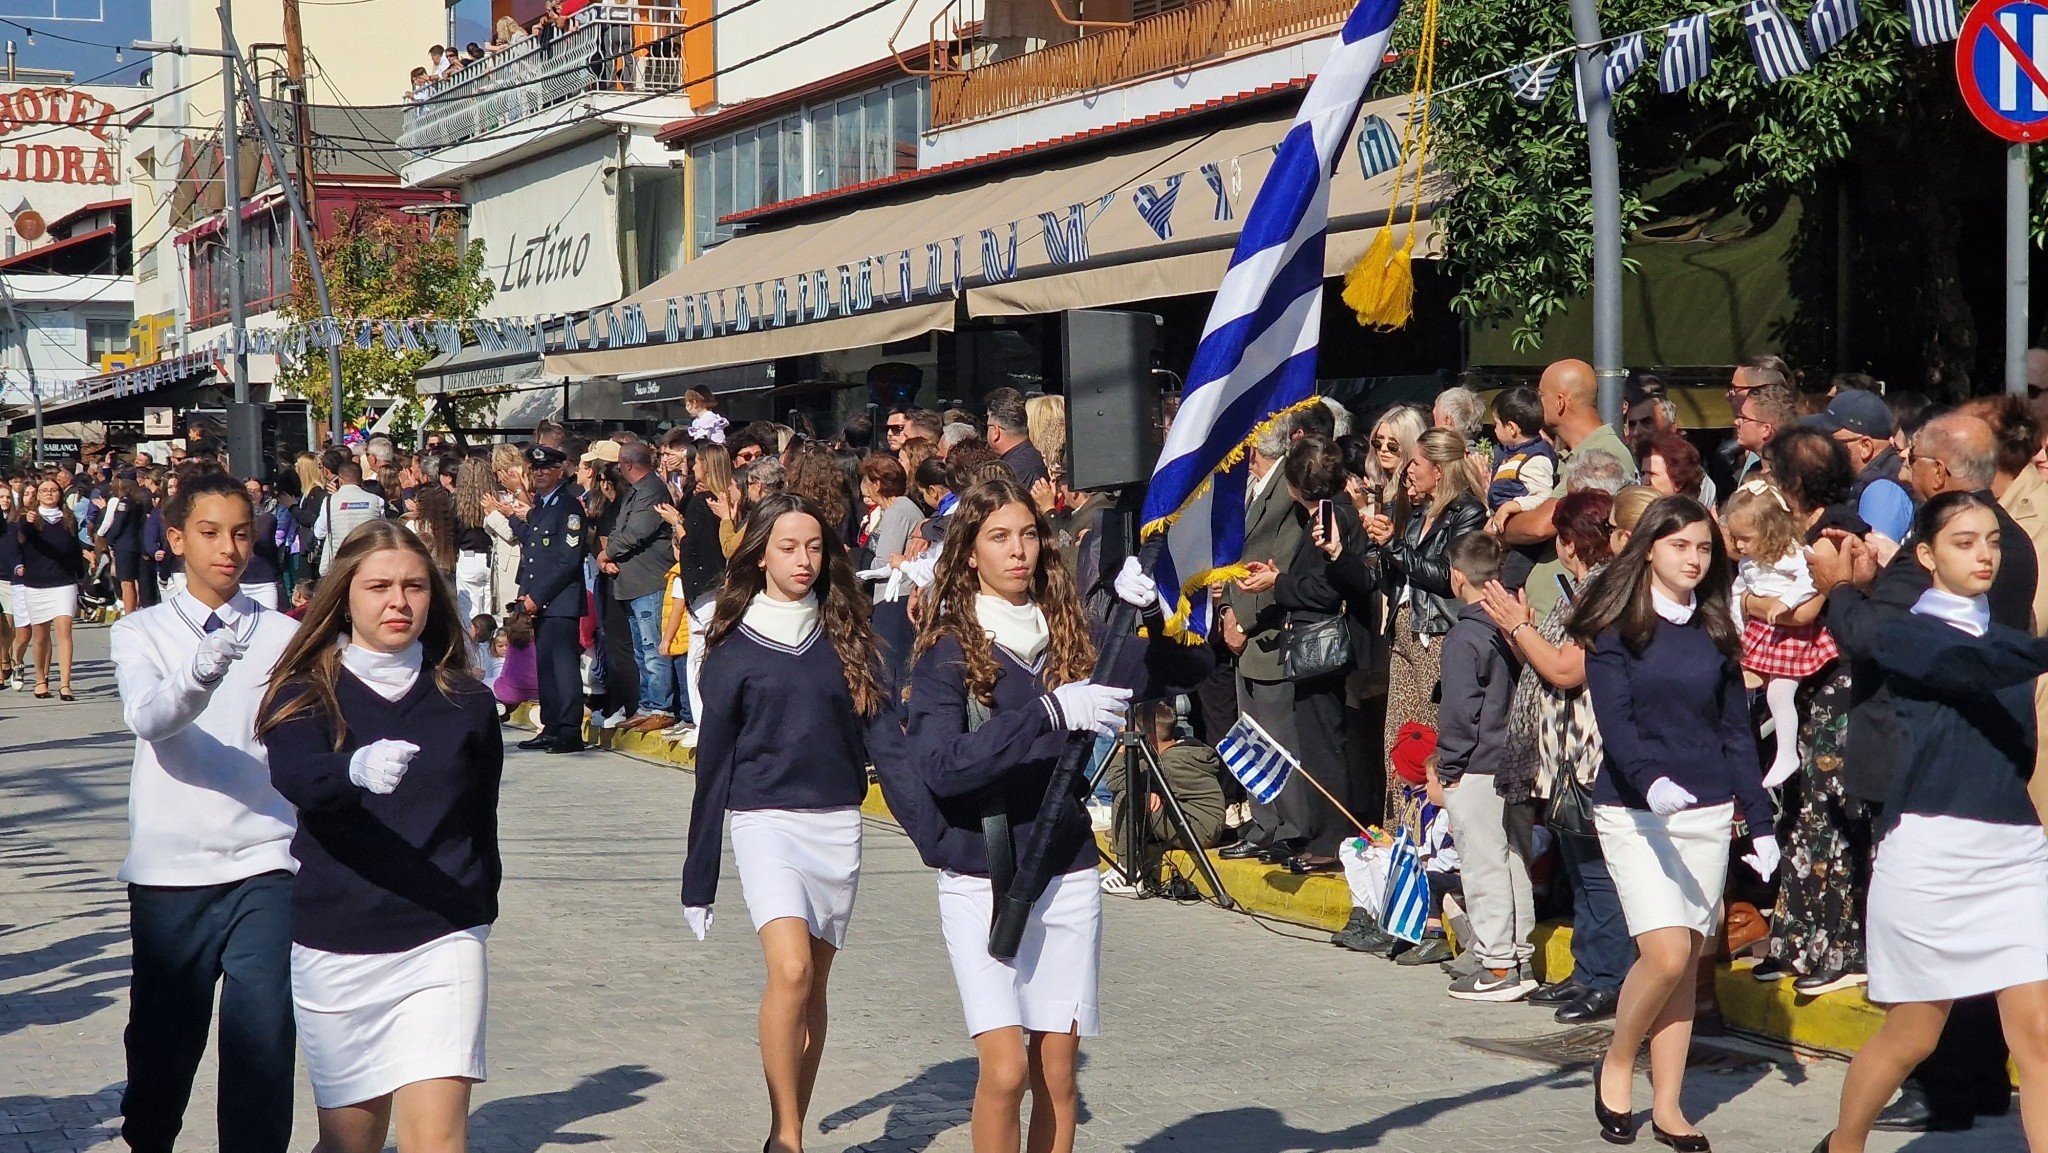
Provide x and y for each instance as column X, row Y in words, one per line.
column 1112, row 402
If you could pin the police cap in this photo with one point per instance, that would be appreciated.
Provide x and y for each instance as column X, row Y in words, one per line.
column 541, row 456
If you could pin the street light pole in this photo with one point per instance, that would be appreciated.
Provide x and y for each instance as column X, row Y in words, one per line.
column 2018, row 201
column 1605, row 170
column 245, row 445
column 28, row 364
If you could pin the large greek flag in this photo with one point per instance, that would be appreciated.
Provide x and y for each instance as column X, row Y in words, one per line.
column 1257, row 355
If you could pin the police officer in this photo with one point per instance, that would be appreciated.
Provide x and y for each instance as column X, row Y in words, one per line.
column 551, row 551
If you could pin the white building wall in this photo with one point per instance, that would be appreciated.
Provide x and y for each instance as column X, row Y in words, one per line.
column 802, row 52
column 55, row 310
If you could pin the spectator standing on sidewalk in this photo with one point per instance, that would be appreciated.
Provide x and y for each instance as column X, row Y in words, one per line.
column 209, row 867
column 638, row 554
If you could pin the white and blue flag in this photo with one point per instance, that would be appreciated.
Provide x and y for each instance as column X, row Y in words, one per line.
column 1257, row 355
column 1774, row 41
column 1830, row 21
column 1688, row 52
column 1260, row 763
column 1533, row 81
column 1629, row 54
column 1155, row 203
column 1379, row 149
column 1405, row 911
column 1934, row 21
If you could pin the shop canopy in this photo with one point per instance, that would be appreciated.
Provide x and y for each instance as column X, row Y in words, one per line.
column 1142, row 217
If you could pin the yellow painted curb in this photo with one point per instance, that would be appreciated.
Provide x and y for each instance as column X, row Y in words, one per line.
column 1839, row 1022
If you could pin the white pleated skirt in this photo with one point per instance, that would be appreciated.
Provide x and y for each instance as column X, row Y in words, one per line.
column 1668, row 871
column 802, row 863
column 41, row 606
column 1053, row 985
column 1957, row 908
column 370, row 1023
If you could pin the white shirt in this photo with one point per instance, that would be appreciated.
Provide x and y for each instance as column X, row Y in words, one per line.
column 1672, row 610
column 201, row 808
column 1786, row 580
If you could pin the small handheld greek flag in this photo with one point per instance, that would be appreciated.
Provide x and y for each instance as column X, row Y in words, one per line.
column 1258, row 761
column 1688, row 52
column 1934, row 21
column 1774, row 41
column 1830, row 21
column 1406, row 909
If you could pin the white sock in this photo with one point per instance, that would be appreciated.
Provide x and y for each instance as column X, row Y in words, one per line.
column 1778, row 696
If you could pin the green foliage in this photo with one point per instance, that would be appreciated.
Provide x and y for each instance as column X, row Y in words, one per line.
column 381, row 265
column 1518, row 221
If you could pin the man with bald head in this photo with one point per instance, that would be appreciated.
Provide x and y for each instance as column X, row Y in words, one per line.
column 1571, row 411
column 1966, row 1074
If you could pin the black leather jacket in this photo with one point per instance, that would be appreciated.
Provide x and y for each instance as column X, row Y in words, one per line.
column 1421, row 560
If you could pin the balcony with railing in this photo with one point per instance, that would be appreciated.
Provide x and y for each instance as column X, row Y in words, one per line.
column 1191, row 35
column 608, row 48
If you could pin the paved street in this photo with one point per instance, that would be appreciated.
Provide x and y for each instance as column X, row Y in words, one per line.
column 610, row 1027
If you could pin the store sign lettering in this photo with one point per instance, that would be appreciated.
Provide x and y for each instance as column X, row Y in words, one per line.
column 49, row 163
column 544, row 259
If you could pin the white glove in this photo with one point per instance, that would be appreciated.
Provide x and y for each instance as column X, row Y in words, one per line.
column 1764, row 856
column 217, row 650
column 1133, row 587
column 380, row 765
column 698, row 917
column 1666, row 797
column 1086, row 707
column 921, row 571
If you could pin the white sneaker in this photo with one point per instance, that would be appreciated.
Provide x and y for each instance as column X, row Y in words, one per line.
column 1114, row 884
column 678, row 731
column 1098, row 818
column 613, row 721
column 689, row 740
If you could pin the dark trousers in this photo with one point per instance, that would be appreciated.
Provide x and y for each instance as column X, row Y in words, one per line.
column 1271, row 704
column 1602, row 950
column 557, row 648
column 1325, row 750
column 186, row 941
column 1965, row 1075
column 615, row 645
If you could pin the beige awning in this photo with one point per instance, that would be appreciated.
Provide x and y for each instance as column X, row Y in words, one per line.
column 1126, row 257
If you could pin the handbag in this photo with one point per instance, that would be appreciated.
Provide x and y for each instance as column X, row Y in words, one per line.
column 1317, row 648
column 1570, row 809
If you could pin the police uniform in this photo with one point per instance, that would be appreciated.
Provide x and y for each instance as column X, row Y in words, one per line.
column 551, row 549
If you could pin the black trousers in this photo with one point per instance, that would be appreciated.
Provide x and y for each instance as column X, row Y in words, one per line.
column 557, row 647
column 621, row 662
column 187, row 941
column 1325, row 750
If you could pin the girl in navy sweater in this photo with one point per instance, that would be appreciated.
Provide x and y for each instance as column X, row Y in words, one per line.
column 52, row 565
column 1662, row 669
column 794, row 708
column 382, row 737
column 999, row 679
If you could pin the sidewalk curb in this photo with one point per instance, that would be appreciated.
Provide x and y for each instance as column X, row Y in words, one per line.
column 1838, row 1023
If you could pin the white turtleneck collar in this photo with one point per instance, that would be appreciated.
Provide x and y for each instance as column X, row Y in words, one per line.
column 787, row 623
column 1970, row 614
column 1672, row 610
column 390, row 675
column 51, row 515
column 1018, row 628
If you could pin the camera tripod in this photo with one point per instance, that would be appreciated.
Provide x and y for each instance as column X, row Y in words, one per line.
column 1143, row 778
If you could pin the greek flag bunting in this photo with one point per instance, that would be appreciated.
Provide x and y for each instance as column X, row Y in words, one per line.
column 1628, row 55
column 1533, row 81
column 1214, row 176
column 1934, row 21
column 1066, row 235
column 1379, row 149
column 1688, row 52
column 1830, row 21
column 1774, row 41
column 1258, row 761
column 1257, row 355
column 1405, row 910
column 1155, row 204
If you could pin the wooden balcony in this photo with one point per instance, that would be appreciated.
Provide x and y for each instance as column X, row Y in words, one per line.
column 1199, row 33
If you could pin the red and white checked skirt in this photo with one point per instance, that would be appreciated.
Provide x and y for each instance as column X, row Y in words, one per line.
column 1795, row 651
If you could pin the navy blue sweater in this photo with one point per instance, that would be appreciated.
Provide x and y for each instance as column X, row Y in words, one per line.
column 1966, row 705
column 936, row 790
column 51, row 556
column 1680, row 711
column 778, row 731
column 383, row 874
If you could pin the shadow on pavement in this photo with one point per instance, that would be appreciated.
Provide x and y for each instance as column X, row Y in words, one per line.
column 527, row 1124
column 41, row 1121
column 938, row 1099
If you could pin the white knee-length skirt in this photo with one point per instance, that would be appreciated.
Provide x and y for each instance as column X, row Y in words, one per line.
column 802, row 863
column 370, row 1023
column 41, row 606
column 1957, row 908
column 1053, row 985
column 10, row 599
column 1668, row 871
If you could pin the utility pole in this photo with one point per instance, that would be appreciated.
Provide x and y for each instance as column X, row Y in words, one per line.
column 295, row 74
column 245, row 427
column 1605, row 170
column 2018, row 200
column 28, row 364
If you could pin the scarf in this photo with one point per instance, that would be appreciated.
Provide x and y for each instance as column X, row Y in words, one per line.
column 389, row 675
column 1968, row 614
column 1018, row 628
column 787, row 623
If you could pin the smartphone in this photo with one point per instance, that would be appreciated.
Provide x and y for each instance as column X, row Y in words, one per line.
column 1327, row 517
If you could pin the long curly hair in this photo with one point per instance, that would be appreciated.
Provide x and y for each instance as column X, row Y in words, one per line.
column 948, row 605
column 313, row 659
column 842, row 610
column 473, row 483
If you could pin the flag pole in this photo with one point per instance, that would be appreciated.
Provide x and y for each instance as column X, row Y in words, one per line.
column 1355, row 822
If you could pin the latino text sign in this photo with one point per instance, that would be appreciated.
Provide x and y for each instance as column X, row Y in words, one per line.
column 2002, row 67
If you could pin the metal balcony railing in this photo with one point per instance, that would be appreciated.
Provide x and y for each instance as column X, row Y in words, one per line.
column 624, row 48
column 1172, row 41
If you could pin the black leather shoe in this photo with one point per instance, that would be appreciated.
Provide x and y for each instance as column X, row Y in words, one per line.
column 1557, row 993
column 1592, row 1005
column 1683, row 1142
column 1281, row 851
column 565, row 747
column 1617, row 1127
column 536, row 742
column 1241, row 851
column 1909, row 1113
column 1827, row 1143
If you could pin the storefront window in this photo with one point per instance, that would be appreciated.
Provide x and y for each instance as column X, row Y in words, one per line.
column 653, row 244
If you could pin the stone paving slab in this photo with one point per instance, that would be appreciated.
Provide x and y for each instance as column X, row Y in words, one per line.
column 610, row 1026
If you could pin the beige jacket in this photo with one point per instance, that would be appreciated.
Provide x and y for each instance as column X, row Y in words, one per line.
column 2026, row 498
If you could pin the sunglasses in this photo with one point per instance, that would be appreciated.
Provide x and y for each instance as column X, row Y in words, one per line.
column 895, row 426
column 1386, row 442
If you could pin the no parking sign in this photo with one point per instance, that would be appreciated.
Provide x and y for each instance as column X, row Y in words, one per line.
column 2002, row 66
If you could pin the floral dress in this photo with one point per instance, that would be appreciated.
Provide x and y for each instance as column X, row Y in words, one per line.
column 1825, row 877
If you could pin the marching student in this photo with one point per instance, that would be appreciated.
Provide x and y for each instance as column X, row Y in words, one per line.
column 1000, row 677
column 1959, row 891
column 209, row 867
column 794, row 708
column 52, row 567
column 388, row 745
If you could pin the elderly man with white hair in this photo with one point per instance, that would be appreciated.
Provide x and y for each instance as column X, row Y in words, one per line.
column 1460, row 410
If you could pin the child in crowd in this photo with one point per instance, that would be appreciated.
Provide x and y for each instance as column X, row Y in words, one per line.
column 1783, row 641
column 705, row 423
column 483, row 632
column 302, row 595
column 1195, row 774
column 1524, row 464
column 1412, row 755
column 1477, row 686
column 518, row 679
column 675, row 635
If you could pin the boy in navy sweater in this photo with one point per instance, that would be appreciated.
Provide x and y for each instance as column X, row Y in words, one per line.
column 1478, row 684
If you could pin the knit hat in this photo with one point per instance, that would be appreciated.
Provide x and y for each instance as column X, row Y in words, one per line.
column 1414, row 744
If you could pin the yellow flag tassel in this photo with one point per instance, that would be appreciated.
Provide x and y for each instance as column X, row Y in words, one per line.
column 1380, row 288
